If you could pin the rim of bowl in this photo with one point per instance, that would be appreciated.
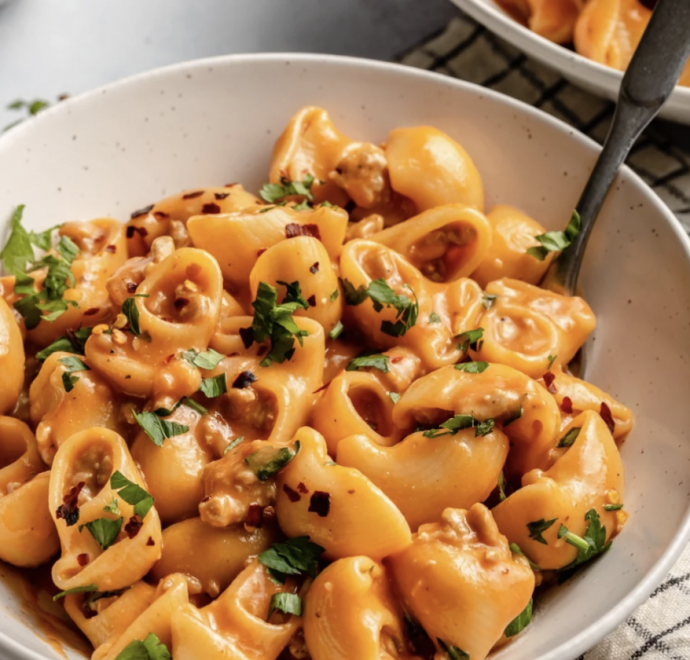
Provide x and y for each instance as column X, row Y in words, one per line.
column 594, row 633
column 487, row 9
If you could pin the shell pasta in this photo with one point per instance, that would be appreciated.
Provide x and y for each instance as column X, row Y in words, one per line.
column 332, row 420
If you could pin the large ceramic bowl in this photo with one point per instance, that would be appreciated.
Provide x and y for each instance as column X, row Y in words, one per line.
column 597, row 78
column 213, row 121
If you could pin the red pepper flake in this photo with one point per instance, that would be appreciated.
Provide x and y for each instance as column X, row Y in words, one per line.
column 320, row 503
column 548, row 381
column 180, row 303
column 247, row 336
column 82, row 559
column 312, row 300
column 133, row 527
column 231, row 185
column 255, row 515
column 302, row 488
column 91, row 311
column 68, row 510
column 261, row 251
column 144, row 211
column 131, row 230
column 131, row 287
column 220, row 196
column 293, row 495
column 606, row 415
column 150, row 542
column 193, row 195
column 396, row 359
column 160, row 215
column 567, row 405
column 314, row 268
column 210, row 208
column 245, row 379
column 111, row 248
column 295, row 229
column 322, row 388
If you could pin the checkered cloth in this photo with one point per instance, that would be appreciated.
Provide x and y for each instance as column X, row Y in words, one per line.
column 659, row 629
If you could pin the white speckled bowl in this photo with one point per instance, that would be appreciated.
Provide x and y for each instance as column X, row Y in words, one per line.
column 209, row 122
column 597, row 78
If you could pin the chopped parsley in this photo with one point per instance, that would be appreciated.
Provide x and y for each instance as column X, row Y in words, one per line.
column 131, row 312
column 552, row 359
column 215, row 386
column 132, row 494
column 515, row 549
column 538, row 527
column 488, row 300
column 73, row 365
column 297, row 556
column 375, row 361
column 460, row 422
column 453, row 652
column 73, row 343
column 275, row 322
column 284, row 602
column 337, row 330
column 520, row 622
column 470, row 339
column 184, row 401
column 76, row 590
column 613, row 507
column 514, row 416
column 555, row 241
column 150, row 649
column 158, row 429
column 472, row 367
column 434, row 318
column 233, row 444
column 569, row 438
column 501, row 486
column 113, row 507
column 277, row 192
column 394, row 397
column 591, row 545
column 334, row 295
column 32, row 108
column 268, row 460
column 104, row 530
column 208, row 360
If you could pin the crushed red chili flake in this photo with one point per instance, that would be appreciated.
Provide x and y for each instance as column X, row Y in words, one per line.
column 548, row 381
column 247, row 336
column 111, row 248
column 180, row 303
column 312, row 300
column 91, row 311
column 320, row 503
column 314, row 268
column 150, row 541
column 245, row 379
column 567, row 405
column 144, row 211
column 302, row 488
column 193, row 195
column 261, row 251
column 293, row 495
column 231, row 185
column 295, row 229
column 255, row 515
column 133, row 527
column 136, row 230
column 68, row 510
column 160, row 215
column 82, row 559
column 220, row 196
column 396, row 359
column 322, row 388
column 131, row 287
column 210, row 208
column 606, row 415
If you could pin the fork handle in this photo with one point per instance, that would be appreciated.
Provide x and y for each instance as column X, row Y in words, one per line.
column 651, row 76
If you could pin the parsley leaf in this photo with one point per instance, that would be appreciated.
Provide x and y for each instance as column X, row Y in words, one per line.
column 470, row 339
column 213, row 387
column 501, row 486
column 293, row 294
column 516, row 415
column 520, row 622
column 592, row 544
column 18, row 251
column 336, row 331
column 284, row 602
column 613, row 507
column 376, row 361
column 453, row 652
column 233, row 444
column 458, row 423
column 434, row 318
column 132, row 493
column 394, row 396
column 150, row 649
column 113, row 507
column 275, row 322
column 131, row 311
column 73, row 364
column 104, row 530
column 297, row 556
column 515, row 548
column 184, row 401
column 276, row 192
column 552, row 359
column 538, row 527
column 268, row 460
column 76, row 590
column 569, row 438
column 488, row 300
column 334, row 295
column 158, row 429
column 472, row 367
column 74, row 343
column 555, row 241
column 208, row 360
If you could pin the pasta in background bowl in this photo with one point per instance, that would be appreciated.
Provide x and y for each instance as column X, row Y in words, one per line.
column 194, row 127
column 604, row 32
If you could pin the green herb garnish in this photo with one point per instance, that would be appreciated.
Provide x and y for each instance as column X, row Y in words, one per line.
column 208, row 360
column 376, row 361
column 287, row 603
column 132, row 493
column 453, row 652
column 268, row 460
column 73, row 365
column 538, row 527
column 555, row 241
column 276, row 192
column 158, row 429
column 150, row 649
column 520, row 622
column 591, row 545
column 215, row 386
column 104, row 530
column 336, row 331
column 470, row 339
column 76, row 590
column 569, row 438
column 298, row 556
column 472, row 367
column 460, row 422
